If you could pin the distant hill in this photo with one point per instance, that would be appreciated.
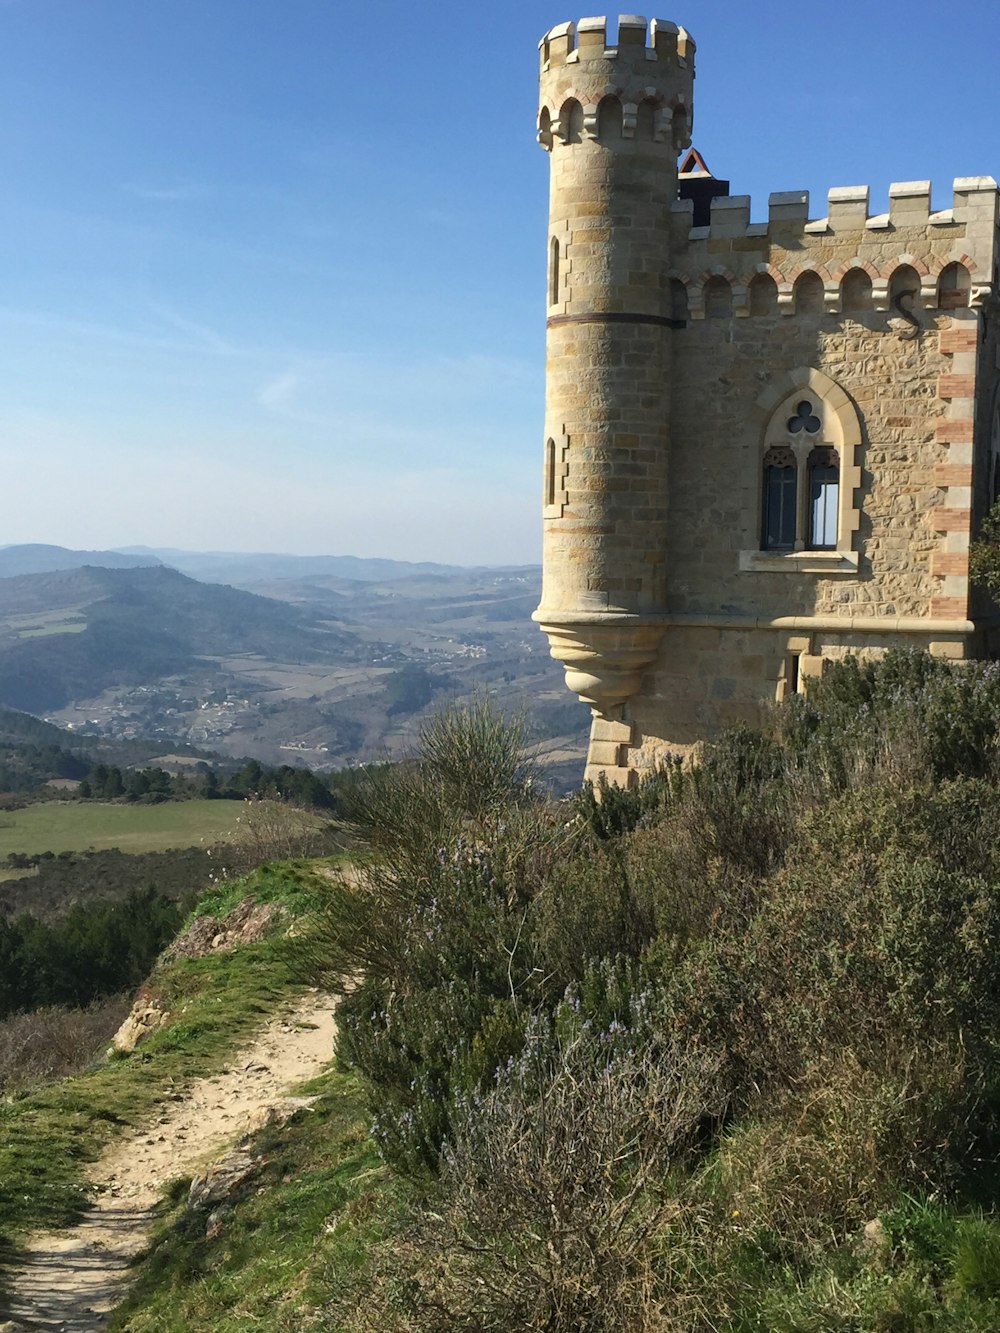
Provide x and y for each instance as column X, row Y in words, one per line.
column 23, row 729
column 33, row 752
column 40, row 559
column 73, row 633
column 239, row 568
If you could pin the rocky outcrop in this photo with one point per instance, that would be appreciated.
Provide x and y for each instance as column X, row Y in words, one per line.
column 248, row 922
column 145, row 1017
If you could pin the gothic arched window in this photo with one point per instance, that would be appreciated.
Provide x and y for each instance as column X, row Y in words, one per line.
column 809, row 294
column 808, row 479
column 763, row 295
column 954, row 287
column 610, row 118
column 718, row 298
column 855, row 291
column 571, row 121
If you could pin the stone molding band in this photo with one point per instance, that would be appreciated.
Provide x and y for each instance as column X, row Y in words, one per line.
column 831, row 624
column 615, row 317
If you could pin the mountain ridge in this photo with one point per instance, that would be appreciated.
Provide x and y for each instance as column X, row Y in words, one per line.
column 41, row 558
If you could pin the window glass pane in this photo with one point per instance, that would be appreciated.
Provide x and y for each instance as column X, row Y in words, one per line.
column 824, row 495
column 779, row 508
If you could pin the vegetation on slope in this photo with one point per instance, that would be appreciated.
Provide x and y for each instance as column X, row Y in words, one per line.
column 92, row 953
column 213, row 1004
column 297, row 1244
column 718, row 1056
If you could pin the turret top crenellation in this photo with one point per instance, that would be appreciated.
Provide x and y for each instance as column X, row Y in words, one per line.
column 590, row 39
column 644, row 69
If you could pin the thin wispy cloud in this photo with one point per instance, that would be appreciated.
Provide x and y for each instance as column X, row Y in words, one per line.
column 88, row 333
column 207, row 338
column 277, row 394
column 165, row 194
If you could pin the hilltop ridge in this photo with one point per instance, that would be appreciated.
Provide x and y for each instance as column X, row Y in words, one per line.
column 40, row 558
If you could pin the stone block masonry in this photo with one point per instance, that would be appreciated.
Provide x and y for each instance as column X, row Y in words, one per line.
column 766, row 444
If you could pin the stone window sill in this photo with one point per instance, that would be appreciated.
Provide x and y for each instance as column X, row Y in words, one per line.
column 798, row 562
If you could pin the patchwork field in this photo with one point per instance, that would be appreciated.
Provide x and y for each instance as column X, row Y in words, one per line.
column 58, row 826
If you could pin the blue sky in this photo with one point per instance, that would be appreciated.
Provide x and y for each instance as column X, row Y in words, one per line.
column 273, row 272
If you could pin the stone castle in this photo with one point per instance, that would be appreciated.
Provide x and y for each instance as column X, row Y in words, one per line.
column 767, row 445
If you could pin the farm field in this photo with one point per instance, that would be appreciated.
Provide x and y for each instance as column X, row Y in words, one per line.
column 63, row 826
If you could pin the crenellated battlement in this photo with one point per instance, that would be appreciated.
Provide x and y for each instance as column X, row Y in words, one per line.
column 640, row 89
column 949, row 255
column 975, row 200
column 587, row 40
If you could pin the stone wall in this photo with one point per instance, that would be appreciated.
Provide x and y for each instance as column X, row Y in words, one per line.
column 678, row 355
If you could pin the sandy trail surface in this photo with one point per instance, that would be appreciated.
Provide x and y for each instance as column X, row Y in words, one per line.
column 71, row 1280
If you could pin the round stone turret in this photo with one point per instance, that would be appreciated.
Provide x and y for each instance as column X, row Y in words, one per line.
column 614, row 119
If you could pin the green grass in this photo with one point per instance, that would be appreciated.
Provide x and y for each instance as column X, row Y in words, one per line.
column 72, row 826
column 296, row 1246
column 48, row 1137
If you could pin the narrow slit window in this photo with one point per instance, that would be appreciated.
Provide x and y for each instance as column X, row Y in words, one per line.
column 550, row 472
column 794, row 677
column 824, row 499
column 554, row 272
column 780, row 500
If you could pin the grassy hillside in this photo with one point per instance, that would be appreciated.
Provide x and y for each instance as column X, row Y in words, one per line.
column 59, row 826
column 321, row 1206
column 716, row 1056
column 214, row 1003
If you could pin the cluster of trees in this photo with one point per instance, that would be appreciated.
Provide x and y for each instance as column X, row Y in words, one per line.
column 299, row 786
column 89, row 953
column 25, row 766
column 93, row 877
column 717, row 1054
column 107, row 782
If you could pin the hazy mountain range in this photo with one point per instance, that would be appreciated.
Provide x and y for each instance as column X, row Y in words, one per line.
column 38, row 559
column 73, row 633
column 313, row 660
column 221, row 566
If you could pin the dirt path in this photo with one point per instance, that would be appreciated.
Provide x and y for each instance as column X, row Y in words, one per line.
column 73, row 1279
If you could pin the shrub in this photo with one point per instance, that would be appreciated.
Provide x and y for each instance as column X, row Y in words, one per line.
column 55, row 1042
column 659, row 1064
column 269, row 829
column 903, row 718
column 554, row 1188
